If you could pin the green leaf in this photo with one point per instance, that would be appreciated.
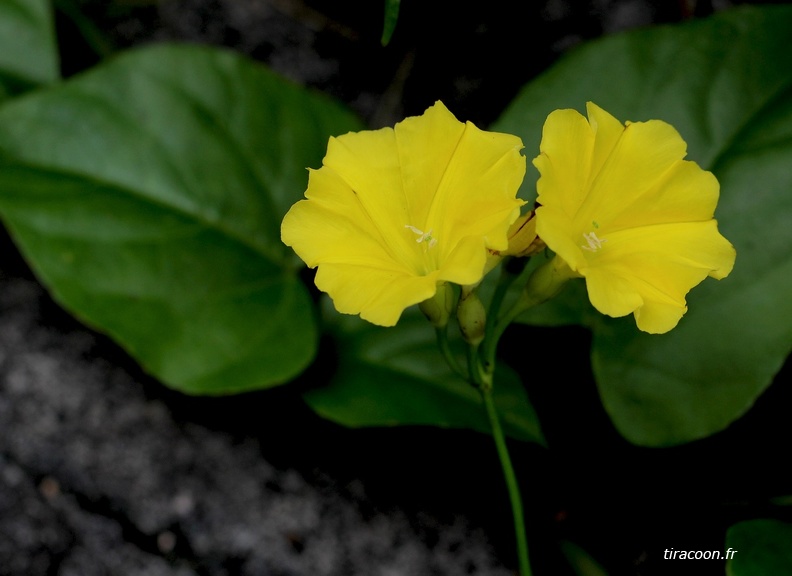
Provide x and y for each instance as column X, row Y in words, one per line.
column 725, row 83
column 90, row 33
column 397, row 376
column 581, row 562
column 28, row 54
column 389, row 20
column 147, row 195
column 762, row 548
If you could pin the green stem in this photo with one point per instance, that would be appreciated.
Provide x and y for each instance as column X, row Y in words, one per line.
column 544, row 283
column 493, row 331
column 94, row 38
column 445, row 349
column 474, row 368
column 511, row 481
column 501, row 288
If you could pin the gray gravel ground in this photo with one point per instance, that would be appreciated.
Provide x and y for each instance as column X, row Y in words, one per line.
column 97, row 478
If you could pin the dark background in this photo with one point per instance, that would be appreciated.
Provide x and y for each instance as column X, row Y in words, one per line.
column 61, row 485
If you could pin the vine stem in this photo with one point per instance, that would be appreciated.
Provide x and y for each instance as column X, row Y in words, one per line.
column 543, row 283
column 445, row 350
column 511, row 481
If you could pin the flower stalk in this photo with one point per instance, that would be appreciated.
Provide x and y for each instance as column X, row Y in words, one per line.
column 481, row 371
column 511, row 481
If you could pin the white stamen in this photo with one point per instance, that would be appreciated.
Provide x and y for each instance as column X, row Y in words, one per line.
column 423, row 236
column 593, row 242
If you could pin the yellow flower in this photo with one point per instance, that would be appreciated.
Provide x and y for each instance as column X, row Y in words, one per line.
column 394, row 212
column 623, row 209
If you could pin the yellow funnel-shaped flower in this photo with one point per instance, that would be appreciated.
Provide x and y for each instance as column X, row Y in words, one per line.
column 623, row 209
column 393, row 212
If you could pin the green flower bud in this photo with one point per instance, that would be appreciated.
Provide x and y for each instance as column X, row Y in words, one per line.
column 472, row 317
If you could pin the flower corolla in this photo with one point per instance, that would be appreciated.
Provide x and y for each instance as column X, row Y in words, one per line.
column 393, row 213
column 621, row 208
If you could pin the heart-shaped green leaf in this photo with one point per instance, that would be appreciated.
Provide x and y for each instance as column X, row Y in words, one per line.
column 726, row 84
column 147, row 195
column 397, row 376
column 759, row 548
column 28, row 55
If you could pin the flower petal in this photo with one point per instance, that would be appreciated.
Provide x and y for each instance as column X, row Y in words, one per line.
column 555, row 228
column 607, row 131
column 637, row 165
column 611, row 294
column 658, row 265
column 332, row 226
column 368, row 163
column 465, row 264
column 685, row 193
column 425, row 146
column 476, row 196
column 379, row 296
column 565, row 168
